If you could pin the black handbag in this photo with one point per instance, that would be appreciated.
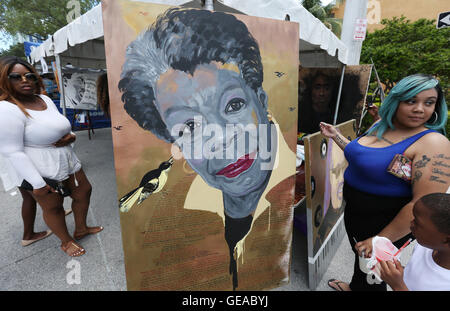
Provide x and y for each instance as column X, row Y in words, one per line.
column 57, row 185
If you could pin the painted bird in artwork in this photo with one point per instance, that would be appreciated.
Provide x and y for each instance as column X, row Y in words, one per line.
column 152, row 182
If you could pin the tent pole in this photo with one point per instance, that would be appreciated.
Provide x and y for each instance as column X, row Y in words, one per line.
column 209, row 5
column 339, row 95
column 61, row 84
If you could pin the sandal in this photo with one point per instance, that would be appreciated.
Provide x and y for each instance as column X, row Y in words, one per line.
column 73, row 249
column 28, row 242
column 89, row 230
column 338, row 287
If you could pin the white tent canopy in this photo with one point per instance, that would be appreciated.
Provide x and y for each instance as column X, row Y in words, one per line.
column 80, row 43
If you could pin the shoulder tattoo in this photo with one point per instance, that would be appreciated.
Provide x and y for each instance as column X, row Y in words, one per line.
column 417, row 175
column 422, row 163
column 440, row 168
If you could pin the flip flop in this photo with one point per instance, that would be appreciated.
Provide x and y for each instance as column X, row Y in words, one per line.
column 90, row 230
column 73, row 249
column 336, row 282
column 28, row 242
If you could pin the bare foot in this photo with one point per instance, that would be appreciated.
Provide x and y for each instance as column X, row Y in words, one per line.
column 36, row 237
column 73, row 249
column 89, row 230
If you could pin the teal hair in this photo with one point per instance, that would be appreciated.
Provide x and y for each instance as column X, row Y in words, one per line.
column 404, row 90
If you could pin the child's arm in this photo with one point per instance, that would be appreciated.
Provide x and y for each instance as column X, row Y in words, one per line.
column 392, row 273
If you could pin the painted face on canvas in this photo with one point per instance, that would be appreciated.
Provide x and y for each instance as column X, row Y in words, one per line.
column 321, row 93
column 218, row 122
column 75, row 89
column 338, row 166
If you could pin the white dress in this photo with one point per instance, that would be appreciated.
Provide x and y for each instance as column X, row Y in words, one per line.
column 26, row 144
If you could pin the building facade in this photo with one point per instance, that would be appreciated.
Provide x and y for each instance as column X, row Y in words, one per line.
column 413, row 10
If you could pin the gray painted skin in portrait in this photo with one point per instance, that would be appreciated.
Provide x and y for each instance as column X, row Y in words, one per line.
column 175, row 84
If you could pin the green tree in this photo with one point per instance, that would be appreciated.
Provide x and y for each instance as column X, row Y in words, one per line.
column 14, row 50
column 403, row 48
column 324, row 14
column 39, row 18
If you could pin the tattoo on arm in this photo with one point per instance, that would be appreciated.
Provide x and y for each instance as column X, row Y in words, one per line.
column 436, row 179
column 423, row 162
column 440, row 163
column 440, row 172
column 440, row 169
column 341, row 142
column 441, row 156
column 417, row 175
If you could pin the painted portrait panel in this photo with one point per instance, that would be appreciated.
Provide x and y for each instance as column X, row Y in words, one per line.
column 318, row 92
column 80, row 91
column 325, row 169
column 204, row 106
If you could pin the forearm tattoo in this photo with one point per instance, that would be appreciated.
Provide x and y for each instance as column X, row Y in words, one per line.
column 342, row 143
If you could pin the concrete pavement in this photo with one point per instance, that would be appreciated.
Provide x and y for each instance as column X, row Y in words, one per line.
column 43, row 266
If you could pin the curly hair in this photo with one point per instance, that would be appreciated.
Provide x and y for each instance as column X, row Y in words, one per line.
column 182, row 39
column 438, row 204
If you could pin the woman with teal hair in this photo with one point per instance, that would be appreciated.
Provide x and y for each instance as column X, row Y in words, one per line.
column 379, row 198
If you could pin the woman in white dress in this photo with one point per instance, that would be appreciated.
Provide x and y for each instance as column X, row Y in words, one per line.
column 35, row 139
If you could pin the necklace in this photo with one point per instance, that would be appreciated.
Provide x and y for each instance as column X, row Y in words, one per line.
column 390, row 142
column 386, row 140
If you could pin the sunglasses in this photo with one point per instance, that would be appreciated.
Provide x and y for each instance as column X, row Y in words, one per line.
column 29, row 76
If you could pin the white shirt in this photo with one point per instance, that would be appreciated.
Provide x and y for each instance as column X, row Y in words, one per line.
column 423, row 274
column 27, row 143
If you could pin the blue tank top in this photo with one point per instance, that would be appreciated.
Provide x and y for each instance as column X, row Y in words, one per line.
column 367, row 167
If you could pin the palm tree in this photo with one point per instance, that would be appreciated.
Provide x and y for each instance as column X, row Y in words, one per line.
column 325, row 14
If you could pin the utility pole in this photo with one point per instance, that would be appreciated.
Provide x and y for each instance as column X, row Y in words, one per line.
column 352, row 27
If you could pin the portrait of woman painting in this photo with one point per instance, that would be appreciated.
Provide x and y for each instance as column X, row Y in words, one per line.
column 205, row 158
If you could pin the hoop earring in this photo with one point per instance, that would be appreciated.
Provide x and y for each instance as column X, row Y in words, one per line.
column 436, row 117
column 269, row 115
column 185, row 169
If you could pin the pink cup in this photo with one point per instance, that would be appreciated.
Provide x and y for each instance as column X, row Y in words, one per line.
column 383, row 249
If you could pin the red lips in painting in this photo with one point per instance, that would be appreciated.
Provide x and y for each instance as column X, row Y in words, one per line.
column 238, row 167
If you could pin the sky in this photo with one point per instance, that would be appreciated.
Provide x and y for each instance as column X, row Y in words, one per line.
column 4, row 42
